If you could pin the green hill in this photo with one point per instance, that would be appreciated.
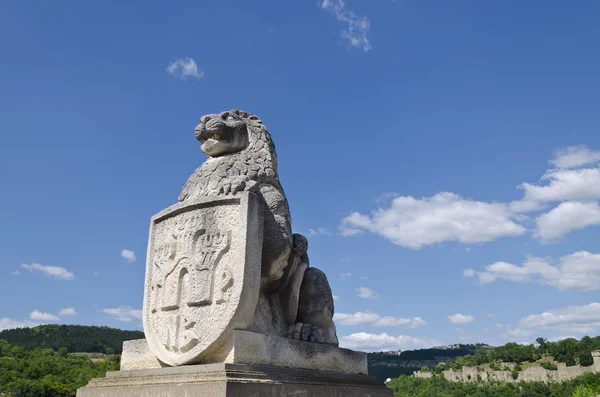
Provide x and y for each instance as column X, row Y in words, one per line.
column 47, row 373
column 383, row 366
column 75, row 338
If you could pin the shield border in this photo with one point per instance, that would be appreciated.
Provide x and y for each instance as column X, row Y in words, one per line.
column 251, row 215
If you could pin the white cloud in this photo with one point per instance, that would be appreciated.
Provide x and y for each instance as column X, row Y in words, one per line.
column 128, row 255
column 366, row 293
column 575, row 156
column 377, row 342
column 184, row 68
column 51, row 271
column 564, row 184
column 36, row 315
column 345, row 259
column 566, row 217
column 7, row 323
column 319, row 232
column 346, row 276
column 357, row 28
column 579, row 271
column 68, row 311
column 461, row 318
column 575, row 319
column 15, row 272
column 363, row 278
column 124, row 313
column 375, row 320
column 336, row 298
column 414, row 223
column 519, row 333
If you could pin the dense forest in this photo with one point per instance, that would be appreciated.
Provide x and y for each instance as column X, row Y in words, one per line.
column 47, row 373
column 75, row 338
column 587, row 385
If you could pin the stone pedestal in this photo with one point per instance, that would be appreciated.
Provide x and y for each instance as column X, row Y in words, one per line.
column 259, row 349
column 232, row 380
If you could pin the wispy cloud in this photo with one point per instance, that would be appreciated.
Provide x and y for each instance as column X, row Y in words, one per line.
column 461, row 318
column 128, row 255
column 375, row 320
column 575, row 156
column 346, row 276
column 7, row 323
column 357, row 28
column 579, row 271
column 67, row 311
column 377, row 342
column 36, row 315
column 321, row 231
column 575, row 319
column 366, row 293
column 15, row 272
column 50, row 271
column 124, row 313
column 336, row 298
column 184, row 69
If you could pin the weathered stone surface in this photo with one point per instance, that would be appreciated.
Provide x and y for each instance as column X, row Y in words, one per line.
column 225, row 256
column 137, row 355
column 241, row 157
column 202, row 276
column 260, row 349
column 232, row 380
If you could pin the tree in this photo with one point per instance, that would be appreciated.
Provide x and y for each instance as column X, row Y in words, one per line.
column 584, row 391
column 514, row 373
column 585, row 359
column 542, row 344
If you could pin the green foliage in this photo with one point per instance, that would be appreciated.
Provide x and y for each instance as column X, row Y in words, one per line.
column 75, row 338
column 47, row 373
column 550, row 366
column 585, row 359
column 569, row 351
column 584, row 391
column 514, row 373
column 407, row 386
column 425, row 369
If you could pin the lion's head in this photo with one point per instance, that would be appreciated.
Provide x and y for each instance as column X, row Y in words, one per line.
column 240, row 153
column 222, row 133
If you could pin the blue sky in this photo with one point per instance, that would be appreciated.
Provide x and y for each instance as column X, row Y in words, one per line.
column 442, row 157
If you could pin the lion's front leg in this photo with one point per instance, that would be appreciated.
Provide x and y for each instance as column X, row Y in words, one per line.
column 315, row 310
column 277, row 234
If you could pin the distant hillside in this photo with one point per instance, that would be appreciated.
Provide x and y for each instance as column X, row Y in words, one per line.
column 76, row 338
column 383, row 366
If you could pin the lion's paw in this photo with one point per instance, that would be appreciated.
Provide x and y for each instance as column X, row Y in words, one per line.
column 306, row 332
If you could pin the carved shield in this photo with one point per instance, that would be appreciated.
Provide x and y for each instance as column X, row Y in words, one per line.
column 202, row 276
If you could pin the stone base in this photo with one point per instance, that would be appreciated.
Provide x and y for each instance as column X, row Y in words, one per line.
column 232, row 380
column 260, row 349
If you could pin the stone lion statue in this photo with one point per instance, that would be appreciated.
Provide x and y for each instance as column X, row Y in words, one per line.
column 295, row 300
